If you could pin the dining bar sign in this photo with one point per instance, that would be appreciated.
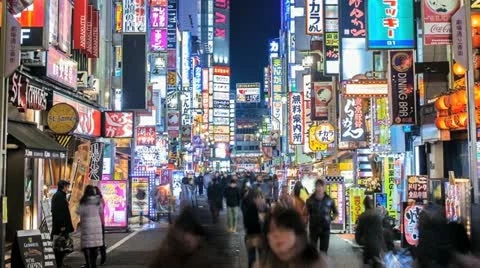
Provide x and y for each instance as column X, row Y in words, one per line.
column 402, row 92
column 25, row 93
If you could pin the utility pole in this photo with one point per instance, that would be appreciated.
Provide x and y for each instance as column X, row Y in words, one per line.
column 472, row 124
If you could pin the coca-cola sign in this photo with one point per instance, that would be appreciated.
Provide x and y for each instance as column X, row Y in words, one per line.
column 25, row 93
column 437, row 21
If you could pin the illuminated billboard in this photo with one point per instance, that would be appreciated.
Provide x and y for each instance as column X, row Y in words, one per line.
column 248, row 92
column 221, row 11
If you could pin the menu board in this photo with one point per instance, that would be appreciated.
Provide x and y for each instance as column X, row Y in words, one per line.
column 48, row 254
column 139, row 196
column 417, row 188
column 115, row 196
column 27, row 250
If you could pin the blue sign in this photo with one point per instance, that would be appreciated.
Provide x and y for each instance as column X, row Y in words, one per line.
column 274, row 48
column 390, row 24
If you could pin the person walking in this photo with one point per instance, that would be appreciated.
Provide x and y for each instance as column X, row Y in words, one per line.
column 287, row 242
column 61, row 219
column 298, row 202
column 232, row 197
column 200, row 183
column 369, row 234
column 215, row 198
column 253, row 223
column 91, row 214
column 321, row 210
column 103, row 248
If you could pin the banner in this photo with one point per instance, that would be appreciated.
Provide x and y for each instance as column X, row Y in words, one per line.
column 115, row 196
column 80, row 24
column 390, row 24
column 140, row 196
column 352, row 124
column 402, row 84
column 390, row 186
column 314, row 17
column 437, row 27
column 357, row 195
column 322, row 95
column 146, row 136
column 352, row 19
column 296, row 124
column 417, row 188
column 96, row 161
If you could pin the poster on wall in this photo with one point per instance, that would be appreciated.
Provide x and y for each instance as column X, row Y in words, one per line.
column 356, row 196
column 139, row 196
column 417, row 188
column 353, row 126
column 115, row 196
column 411, row 215
column 402, row 84
column 437, row 15
column 322, row 95
column 336, row 190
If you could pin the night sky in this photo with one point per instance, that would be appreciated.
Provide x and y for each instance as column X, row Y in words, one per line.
column 252, row 24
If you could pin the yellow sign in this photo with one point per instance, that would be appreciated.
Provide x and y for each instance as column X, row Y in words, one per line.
column 314, row 144
column 62, row 118
column 325, row 133
column 356, row 203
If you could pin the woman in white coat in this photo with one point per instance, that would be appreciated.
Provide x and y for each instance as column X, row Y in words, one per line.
column 91, row 214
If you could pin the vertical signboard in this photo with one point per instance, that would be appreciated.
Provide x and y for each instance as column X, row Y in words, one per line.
column 390, row 24
column 64, row 25
column 296, row 124
column 459, row 47
column 352, row 119
column 411, row 217
column 221, row 38
column 402, row 83
column 356, row 196
column 331, row 38
column 437, row 27
column 53, row 22
column 115, row 195
column 80, row 24
column 118, row 17
column 390, row 187
column 186, row 52
column 172, row 24
column 314, row 17
column 134, row 16
column 140, row 199
column 96, row 161
column 158, row 28
column 133, row 76
column 336, row 190
column 352, row 19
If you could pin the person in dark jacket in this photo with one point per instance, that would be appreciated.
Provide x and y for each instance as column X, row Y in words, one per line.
column 199, row 181
column 232, row 198
column 61, row 219
column 215, row 198
column 369, row 234
column 321, row 210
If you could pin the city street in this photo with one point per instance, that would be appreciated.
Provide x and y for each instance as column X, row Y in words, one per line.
column 135, row 249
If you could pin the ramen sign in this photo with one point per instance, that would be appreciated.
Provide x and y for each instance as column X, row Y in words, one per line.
column 325, row 133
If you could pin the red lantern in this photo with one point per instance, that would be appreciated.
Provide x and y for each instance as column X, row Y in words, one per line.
column 442, row 103
column 441, row 124
column 462, row 120
column 452, row 121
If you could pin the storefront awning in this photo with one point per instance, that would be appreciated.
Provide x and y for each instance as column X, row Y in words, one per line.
column 36, row 143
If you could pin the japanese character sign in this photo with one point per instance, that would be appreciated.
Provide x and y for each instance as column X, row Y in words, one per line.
column 325, row 133
column 96, row 160
column 353, row 120
column 417, row 188
column 353, row 18
column 277, row 75
column 314, row 14
column 158, row 17
column 459, row 38
column 118, row 125
column 410, row 224
column 146, row 136
column 296, row 124
column 61, row 68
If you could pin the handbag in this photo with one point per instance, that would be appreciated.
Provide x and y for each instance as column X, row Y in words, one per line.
column 63, row 243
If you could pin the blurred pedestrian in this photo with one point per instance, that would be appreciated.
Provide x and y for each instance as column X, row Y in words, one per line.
column 103, row 248
column 369, row 234
column 61, row 219
column 285, row 200
column 91, row 214
column 199, row 182
column 232, row 197
column 321, row 210
column 276, row 185
column 298, row 203
column 187, row 244
column 215, row 198
column 287, row 242
column 253, row 223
